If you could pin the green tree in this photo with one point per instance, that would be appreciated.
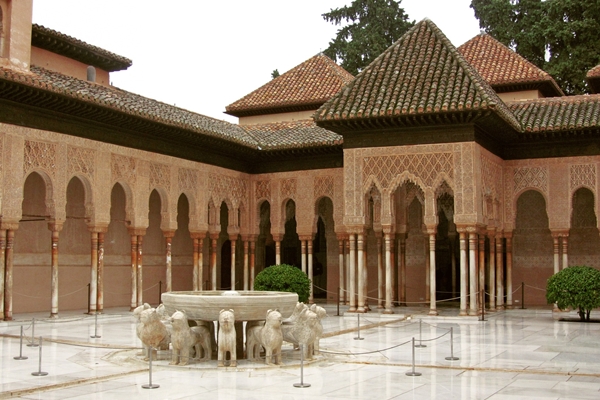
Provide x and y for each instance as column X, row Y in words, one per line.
column 559, row 36
column 372, row 26
column 576, row 287
column 275, row 73
column 284, row 278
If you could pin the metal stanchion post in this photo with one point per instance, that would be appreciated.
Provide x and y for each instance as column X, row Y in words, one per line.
column 420, row 335
column 21, row 356
column 413, row 373
column 301, row 384
column 150, row 385
column 33, row 343
column 95, row 326
column 522, row 295
column 451, row 358
column 358, row 337
column 39, row 371
column 338, row 302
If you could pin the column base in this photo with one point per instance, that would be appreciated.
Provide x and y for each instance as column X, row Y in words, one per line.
column 352, row 309
column 387, row 312
column 361, row 309
column 462, row 313
column 8, row 318
column 380, row 307
column 53, row 315
column 473, row 312
column 433, row 312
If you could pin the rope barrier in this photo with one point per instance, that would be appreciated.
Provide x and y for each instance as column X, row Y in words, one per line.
column 366, row 352
column 537, row 288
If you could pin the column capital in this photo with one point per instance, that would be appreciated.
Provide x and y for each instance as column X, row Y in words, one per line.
column 98, row 228
column 559, row 232
column 136, row 231
column 56, row 225
column 198, row 235
column 168, row 233
column 306, row 237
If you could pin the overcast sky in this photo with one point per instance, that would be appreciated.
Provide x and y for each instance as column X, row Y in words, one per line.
column 203, row 55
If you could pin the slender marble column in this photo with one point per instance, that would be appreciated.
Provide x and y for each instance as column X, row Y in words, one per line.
column 341, row 269
column 481, row 272
column 246, row 264
column 278, row 252
column 196, row 277
column 310, row 270
column 492, row 277
column 509, row 290
column 213, row 261
column 432, row 283
column 133, row 305
column 100, row 287
column 380, row 276
column 352, row 273
column 565, row 253
column 427, row 272
column 233, row 240
column 361, row 276
column 556, row 249
column 168, row 260
column 8, row 279
column 347, row 269
column 472, row 273
column 451, row 237
column 464, row 283
column 140, row 280
column 2, row 268
column 402, row 243
column 388, row 275
column 94, row 272
column 395, row 270
column 499, row 274
column 303, row 255
column 252, row 262
column 54, row 268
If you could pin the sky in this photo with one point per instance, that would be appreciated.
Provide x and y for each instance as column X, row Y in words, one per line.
column 203, row 55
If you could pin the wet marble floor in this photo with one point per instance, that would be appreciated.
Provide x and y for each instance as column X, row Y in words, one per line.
column 513, row 354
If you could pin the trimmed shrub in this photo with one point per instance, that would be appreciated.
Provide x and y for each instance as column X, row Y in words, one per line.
column 284, row 278
column 577, row 287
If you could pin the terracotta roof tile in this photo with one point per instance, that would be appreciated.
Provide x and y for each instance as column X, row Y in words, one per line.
column 500, row 66
column 128, row 103
column 421, row 74
column 558, row 113
column 305, row 86
column 593, row 78
column 594, row 72
column 76, row 49
column 294, row 134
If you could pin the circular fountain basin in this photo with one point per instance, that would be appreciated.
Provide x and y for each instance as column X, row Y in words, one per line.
column 246, row 305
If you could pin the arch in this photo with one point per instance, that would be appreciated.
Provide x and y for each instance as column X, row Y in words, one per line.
column 290, row 243
column 88, row 192
column 49, row 200
column 584, row 237
column 129, row 202
column 165, row 210
column 518, row 195
column 265, row 245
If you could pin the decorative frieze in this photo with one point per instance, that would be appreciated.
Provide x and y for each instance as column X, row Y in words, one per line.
column 80, row 161
column 40, row 155
column 323, row 187
column 187, row 179
column 160, row 176
column 582, row 175
column 288, row 188
column 263, row 190
column 123, row 168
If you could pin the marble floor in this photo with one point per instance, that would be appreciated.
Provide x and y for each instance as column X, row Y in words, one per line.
column 513, row 354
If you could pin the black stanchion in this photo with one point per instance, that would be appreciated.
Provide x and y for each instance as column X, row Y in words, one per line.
column 150, row 385
column 482, row 305
column 33, row 343
column 452, row 358
column 301, row 384
column 358, row 337
column 412, row 372
column 420, row 336
column 21, row 356
column 39, row 372
column 522, row 295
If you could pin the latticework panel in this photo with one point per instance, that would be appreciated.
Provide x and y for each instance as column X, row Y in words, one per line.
column 323, row 187
column 263, row 190
column 425, row 166
column 80, row 161
column 288, row 188
column 123, row 168
column 40, row 155
column 160, row 176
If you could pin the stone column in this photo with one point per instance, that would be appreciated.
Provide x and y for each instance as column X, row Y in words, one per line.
column 93, row 273
column 499, row 273
column 233, row 240
column 380, row 276
column 427, row 270
column 481, row 268
column 432, row 277
column 303, row 255
column 464, row 283
column 472, row 273
column 402, row 245
column 451, row 239
column 139, row 263
column 246, row 264
column 8, row 277
column 361, row 276
column 310, row 270
column 509, row 290
column 277, row 251
column 2, row 268
column 213, row 260
column 252, row 262
column 565, row 253
column 341, row 268
column 168, row 260
column 196, row 277
column 492, row 277
column 55, row 227
column 556, row 251
column 100, row 287
column 133, row 253
column 395, row 271
column 347, row 269
column 388, row 274
column 352, row 273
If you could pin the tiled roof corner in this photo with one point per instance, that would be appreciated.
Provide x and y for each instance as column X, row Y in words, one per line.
column 421, row 74
column 501, row 66
column 304, row 87
column 76, row 49
column 292, row 134
column 593, row 78
column 558, row 113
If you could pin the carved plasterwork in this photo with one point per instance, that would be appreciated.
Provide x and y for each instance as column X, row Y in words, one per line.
column 80, row 161
column 187, row 179
column 582, row 175
column 123, row 168
column 160, row 176
column 530, row 178
column 263, row 189
column 40, row 155
column 288, row 188
column 223, row 187
column 323, row 187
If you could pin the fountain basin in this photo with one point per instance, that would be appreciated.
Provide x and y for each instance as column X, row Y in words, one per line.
column 246, row 305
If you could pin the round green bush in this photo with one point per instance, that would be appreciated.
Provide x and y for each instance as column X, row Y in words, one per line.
column 284, row 278
column 577, row 287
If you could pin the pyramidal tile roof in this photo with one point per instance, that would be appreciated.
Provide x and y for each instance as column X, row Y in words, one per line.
column 593, row 78
column 500, row 66
column 304, row 87
column 292, row 134
column 413, row 82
